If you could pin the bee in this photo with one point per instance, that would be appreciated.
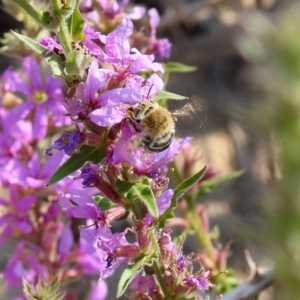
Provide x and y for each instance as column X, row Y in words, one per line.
column 157, row 124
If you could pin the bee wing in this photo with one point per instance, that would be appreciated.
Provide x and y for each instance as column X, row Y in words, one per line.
column 192, row 115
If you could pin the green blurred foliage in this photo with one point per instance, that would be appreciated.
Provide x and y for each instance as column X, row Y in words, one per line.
column 273, row 48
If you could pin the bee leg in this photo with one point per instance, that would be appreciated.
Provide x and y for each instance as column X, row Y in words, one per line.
column 145, row 141
column 134, row 126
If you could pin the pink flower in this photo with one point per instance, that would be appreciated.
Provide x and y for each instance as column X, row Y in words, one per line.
column 44, row 99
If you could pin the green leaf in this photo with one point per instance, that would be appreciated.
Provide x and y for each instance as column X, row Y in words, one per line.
column 103, row 203
column 129, row 274
column 29, row 9
column 51, row 59
column 42, row 283
column 76, row 63
column 180, row 190
column 176, row 67
column 139, row 190
column 75, row 25
column 77, row 160
column 228, row 282
column 187, row 184
column 27, row 287
column 208, row 185
column 164, row 95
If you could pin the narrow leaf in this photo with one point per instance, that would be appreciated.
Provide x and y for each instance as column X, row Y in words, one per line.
column 76, row 24
column 208, row 185
column 187, row 184
column 27, row 287
column 42, row 283
column 129, row 274
column 77, row 160
column 29, row 9
column 180, row 190
column 51, row 59
column 176, row 67
column 139, row 190
column 164, row 95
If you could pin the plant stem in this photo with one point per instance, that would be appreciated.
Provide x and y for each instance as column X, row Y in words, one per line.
column 160, row 280
column 192, row 216
column 63, row 34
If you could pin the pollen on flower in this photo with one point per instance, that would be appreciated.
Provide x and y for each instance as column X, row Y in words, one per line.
column 40, row 96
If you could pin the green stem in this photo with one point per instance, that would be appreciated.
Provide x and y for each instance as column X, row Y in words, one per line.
column 64, row 36
column 192, row 216
column 157, row 269
column 29, row 9
column 202, row 236
column 55, row 8
column 160, row 280
column 175, row 172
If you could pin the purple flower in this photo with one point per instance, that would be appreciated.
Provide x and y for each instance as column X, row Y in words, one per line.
column 144, row 162
column 105, row 246
column 106, row 108
column 164, row 201
column 109, row 8
column 167, row 245
column 89, row 175
column 99, row 290
column 35, row 174
column 44, row 98
column 81, row 205
column 24, row 264
column 11, row 148
column 143, row 284
column 87, row 258
column 160, row 46
column 69, row 142
column 117, row 55
column 181, row 263
column 21, row 130
column 112, row 7
column 51, row 43
column 66, row 241
column 10, row 81
column 136, row 12
column 15, row 219
column 202, row 283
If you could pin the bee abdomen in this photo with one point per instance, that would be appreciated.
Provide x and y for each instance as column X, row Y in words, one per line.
column 159, row 144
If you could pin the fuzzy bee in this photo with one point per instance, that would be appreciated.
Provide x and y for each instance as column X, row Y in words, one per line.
column 157, row 124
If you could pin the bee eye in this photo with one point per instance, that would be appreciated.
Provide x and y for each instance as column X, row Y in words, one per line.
column 138, row 121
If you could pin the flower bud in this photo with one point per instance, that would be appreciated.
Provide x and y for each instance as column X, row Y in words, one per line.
column 130, row 251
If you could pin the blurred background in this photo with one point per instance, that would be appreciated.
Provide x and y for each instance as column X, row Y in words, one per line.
column 210, row 35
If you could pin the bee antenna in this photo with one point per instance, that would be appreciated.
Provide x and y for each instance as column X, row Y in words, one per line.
column 150, row 91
